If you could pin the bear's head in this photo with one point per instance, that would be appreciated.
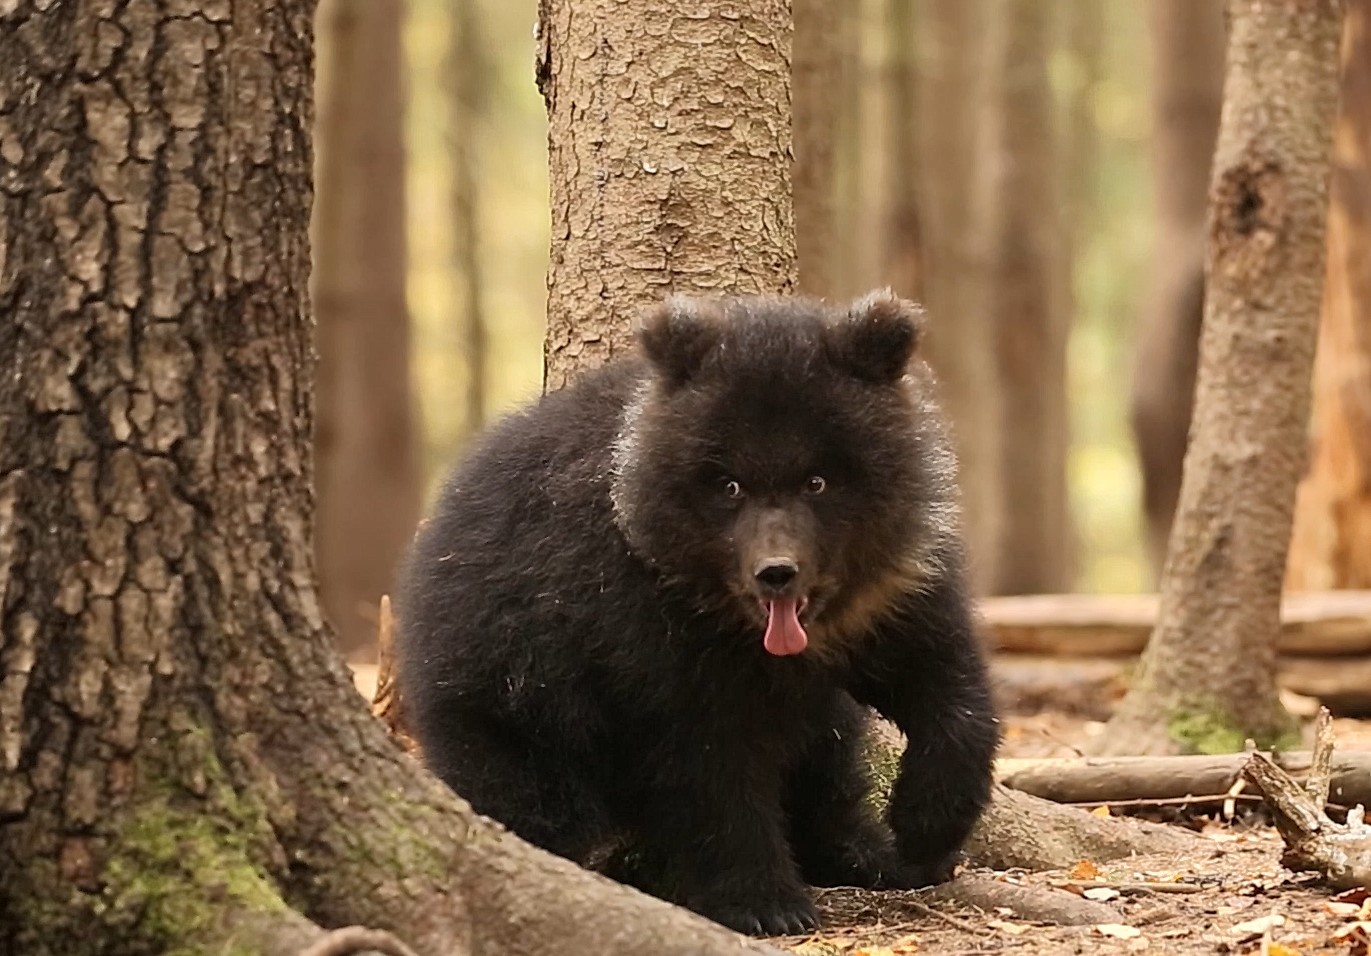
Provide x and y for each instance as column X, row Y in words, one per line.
column 784, row 461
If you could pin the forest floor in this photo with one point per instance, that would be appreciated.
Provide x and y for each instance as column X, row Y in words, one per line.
column 1229, row 895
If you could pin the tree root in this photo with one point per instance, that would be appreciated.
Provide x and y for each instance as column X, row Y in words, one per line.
column 357, row 941
column 1043, row 904
column 1341, row 852
column 1022, row 831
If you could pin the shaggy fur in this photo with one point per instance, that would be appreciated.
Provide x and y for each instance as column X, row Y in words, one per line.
column 581, row 622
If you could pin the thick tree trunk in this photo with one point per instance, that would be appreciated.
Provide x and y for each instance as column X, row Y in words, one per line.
column 903, row 247
column 367, row 442
column 1187, row 91
column 815, row 89
column 1207, row 678
column 1331, row 543
column 670, row 140
column 184, row 764
column 1034, row 550
column 952, row 106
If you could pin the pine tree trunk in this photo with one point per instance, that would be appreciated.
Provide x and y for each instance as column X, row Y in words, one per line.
column 1187, row 40
column 815, row 90
column 466, row 70
column 1034, row 549
column 1207, row 678
column 670, row 140
column 952, row 112
column 367, row 442
column 1331, row 544
column 185, row 766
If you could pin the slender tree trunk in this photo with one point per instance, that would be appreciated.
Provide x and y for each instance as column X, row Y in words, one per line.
column 1331, row 544
column 1187, row 92
column 1207, row 678
column 903, row 247
column 466, row 71
column 367, row 441
column 185, row 766
column 850, row 133
column 815, row 89
column 1034, row 552
column 670, row 138
column 953, row 105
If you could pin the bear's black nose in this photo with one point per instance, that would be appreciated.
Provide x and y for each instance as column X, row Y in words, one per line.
column 776, row 573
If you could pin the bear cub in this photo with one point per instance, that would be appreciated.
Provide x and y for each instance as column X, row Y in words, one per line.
column 651, row 610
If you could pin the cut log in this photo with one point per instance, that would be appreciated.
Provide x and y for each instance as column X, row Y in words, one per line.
column 1096, row 780
column 1313, row 623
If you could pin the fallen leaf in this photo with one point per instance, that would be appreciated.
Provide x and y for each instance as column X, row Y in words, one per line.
column 1342, row 910
column 1358, row 894
column 1004, row 926
column 1085, row 870
column 1118, row 930
column 1259, row 925
column 1272, row 948
column 1357, row 935
column 1102, row 811
column 1101, row 893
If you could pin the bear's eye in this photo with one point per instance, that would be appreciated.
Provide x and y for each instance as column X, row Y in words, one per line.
column 732, row 489
column 815, row 485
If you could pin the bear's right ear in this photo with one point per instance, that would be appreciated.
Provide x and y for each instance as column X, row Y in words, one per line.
column 677, row 334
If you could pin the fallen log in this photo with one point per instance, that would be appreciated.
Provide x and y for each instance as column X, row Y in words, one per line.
column 1313, row 623
column 1098, row 780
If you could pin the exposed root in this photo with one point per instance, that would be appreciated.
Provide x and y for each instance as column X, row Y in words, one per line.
column 356, row 940
column 1034, row 903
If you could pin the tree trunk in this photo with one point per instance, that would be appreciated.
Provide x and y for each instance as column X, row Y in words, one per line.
column 1331, row 544
column 903, row 246
column 815, row 82
column 953, row 101
column 670, row 140
column 185, row 766
column 1187, row 91
column 1034, row 551
column 1207, row 679
column 466, row 71
column 367, row 441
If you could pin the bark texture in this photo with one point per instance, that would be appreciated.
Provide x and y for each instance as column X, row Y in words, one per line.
column 367, row 443
column 956, row 39
column 1034, row 552
column 185, row 766
column 1207, row 678
column 903, row 247
column 814, row 78
column 670, row 145
column 1187, row 44
column 1331, row 543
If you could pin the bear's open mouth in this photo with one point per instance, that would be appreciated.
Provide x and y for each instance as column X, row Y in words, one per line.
column 784, row 635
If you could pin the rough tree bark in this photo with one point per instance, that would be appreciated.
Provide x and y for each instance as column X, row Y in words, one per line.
column 903, row 226
column 1187, row 41
column 185, row 766
column 1207, row 678
column 466, row 70
column 1331, row 542
column 1034, row 547
column 953, row 100
column 367, row 443
column 670, row 139
column 814, row 81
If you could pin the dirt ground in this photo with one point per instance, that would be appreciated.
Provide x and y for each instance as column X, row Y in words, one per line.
column 1230, row 895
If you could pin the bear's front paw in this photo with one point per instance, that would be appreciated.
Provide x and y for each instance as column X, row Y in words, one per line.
column 916, row 875
column 783, row 914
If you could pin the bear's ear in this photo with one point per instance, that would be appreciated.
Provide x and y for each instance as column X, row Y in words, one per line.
column 677, row 334
column 877, row 337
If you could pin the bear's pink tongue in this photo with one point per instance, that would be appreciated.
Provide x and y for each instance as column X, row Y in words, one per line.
column 784, row 634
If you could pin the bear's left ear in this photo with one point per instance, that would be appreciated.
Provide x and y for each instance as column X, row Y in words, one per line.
column 877, row 337
column 677, row 334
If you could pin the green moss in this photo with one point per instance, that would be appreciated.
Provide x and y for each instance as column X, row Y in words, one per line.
column 883, row 761
column 1210, row 731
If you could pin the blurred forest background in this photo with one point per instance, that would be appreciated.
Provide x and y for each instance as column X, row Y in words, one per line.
column 1035, row 172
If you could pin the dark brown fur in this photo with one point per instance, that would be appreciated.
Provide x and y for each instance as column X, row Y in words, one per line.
column 581, row 634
